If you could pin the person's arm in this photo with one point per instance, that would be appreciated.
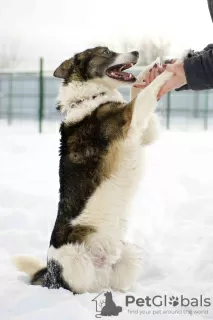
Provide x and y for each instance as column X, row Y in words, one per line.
column 195, row 72
column 199, row 71
column 194, row 55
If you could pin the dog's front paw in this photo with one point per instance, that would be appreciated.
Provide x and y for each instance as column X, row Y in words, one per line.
column 143, row 73
column 141, row 78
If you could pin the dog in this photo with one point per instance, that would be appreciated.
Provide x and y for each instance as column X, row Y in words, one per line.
column 110, row 308
column 102, row 145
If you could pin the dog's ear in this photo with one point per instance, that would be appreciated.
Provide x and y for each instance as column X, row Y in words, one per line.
column 64, row 69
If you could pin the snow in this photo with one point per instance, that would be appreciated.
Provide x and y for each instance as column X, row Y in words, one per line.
column 172, row 220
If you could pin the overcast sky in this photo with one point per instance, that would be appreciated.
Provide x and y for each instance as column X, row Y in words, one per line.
column 56, row 29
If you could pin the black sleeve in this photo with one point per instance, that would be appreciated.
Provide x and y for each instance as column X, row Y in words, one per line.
column 209, row 47
column 198, row 67
column 199, row 71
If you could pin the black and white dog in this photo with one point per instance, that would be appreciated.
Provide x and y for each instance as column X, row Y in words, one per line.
column 101, row 157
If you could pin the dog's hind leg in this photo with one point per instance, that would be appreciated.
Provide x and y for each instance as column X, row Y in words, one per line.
column 128, row 269
column 77, row 269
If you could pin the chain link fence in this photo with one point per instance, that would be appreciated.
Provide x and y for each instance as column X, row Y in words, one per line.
column 28, row 100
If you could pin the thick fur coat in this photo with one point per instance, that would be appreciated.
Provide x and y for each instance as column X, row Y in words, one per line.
column 101, row 163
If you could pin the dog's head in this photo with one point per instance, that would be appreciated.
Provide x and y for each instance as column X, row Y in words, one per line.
column 99, row 65
column 108, row 294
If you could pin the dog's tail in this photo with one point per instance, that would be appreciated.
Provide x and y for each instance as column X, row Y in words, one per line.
column 119, row 309
column 32, row 267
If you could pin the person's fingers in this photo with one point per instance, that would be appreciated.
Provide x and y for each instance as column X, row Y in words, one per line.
column 169, row 85
column 148, row 77
column 157, row 72
column 166, row 88
column 162, row 68
column 152, row 75
column 161, row 93
column 176, row 81
column 172, row 61
column 169, row 61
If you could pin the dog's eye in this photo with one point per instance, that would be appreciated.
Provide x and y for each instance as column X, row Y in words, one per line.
column 106, row 52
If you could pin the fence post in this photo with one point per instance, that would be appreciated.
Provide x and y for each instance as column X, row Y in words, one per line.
column 168, row 109
column 206, row 110
column 41, row 95
column 10, row 100
column 196, row 104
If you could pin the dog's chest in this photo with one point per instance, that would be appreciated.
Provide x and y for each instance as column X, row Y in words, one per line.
column 108, row 207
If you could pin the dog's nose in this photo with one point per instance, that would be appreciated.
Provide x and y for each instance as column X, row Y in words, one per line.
column 135, row 53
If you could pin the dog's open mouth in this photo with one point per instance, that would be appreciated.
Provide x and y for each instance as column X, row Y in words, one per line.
column 116, row 72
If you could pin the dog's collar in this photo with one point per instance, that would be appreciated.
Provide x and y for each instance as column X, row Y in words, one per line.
column 88, row 98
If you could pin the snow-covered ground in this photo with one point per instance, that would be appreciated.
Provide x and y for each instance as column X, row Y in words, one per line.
column 172, row 220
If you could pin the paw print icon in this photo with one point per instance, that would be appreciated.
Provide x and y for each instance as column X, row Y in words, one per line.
column 174, row 301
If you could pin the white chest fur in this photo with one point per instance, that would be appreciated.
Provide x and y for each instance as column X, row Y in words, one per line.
column 108, row 208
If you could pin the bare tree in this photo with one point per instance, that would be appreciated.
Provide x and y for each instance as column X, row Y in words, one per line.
column 118, row 46
column 127, row 46
column 150, row 50
column 9, row 55
column 101, row 303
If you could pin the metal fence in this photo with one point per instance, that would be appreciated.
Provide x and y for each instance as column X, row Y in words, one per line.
column 30, row 97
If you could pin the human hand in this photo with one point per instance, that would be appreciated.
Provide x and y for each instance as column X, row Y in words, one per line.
column 155, row 71
column 177, row 81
